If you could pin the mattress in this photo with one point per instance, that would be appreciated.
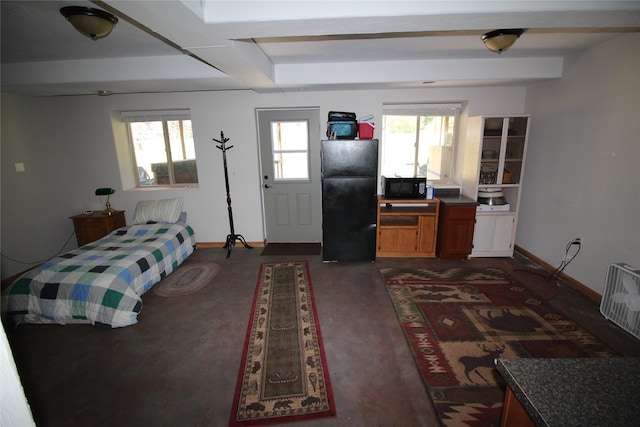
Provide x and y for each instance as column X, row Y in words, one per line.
column 101, row 282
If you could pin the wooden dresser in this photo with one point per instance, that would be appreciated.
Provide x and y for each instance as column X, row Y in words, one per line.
column 91, row 227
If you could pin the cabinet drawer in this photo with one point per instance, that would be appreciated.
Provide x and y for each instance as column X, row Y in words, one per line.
column 461, row 212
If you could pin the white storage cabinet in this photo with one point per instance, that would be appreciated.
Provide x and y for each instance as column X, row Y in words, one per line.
column 494, row 152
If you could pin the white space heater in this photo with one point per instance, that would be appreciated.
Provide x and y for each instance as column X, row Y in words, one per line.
column 621, row 298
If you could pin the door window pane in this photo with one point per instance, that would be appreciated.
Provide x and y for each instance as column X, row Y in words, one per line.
column 290, row 150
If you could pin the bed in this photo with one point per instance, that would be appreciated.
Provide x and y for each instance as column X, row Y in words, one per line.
column 101, row 282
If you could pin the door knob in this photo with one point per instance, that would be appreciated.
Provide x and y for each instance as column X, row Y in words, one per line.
column 267, row 186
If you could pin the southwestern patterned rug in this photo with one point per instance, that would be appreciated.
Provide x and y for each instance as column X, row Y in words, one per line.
column 283, row 374
column 458, row 321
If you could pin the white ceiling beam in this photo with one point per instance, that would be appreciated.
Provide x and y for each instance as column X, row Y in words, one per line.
column 179, row 22
column 109, row 69
column 416, row 71
column 258, row 19
column 219, row 11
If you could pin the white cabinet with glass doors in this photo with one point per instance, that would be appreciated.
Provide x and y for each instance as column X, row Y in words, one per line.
column 494, row 157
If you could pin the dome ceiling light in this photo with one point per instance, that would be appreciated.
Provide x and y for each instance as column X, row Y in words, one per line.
column 500, row 40
column 93, row 23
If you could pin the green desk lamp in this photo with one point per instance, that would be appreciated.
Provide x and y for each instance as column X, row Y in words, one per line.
column 106, row 192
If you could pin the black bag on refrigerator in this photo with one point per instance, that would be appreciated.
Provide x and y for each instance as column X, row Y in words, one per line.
column 342, row 125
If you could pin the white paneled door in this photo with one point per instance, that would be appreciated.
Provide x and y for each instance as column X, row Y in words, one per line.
column 290, row 160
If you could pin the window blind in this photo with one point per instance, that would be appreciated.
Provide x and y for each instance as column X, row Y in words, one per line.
column 448, row 109
column 155, row 116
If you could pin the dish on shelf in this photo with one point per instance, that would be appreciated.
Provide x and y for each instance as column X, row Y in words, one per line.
column 488, row 177
column 493, row 208
column 491, row 197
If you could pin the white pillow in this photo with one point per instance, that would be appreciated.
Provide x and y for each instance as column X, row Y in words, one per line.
column 166, row 210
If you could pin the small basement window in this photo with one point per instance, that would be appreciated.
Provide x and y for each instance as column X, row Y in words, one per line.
column 163, row 147
column 418, row 140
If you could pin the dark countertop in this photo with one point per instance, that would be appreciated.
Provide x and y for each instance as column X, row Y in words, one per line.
column 576, row 392
column 457, row 201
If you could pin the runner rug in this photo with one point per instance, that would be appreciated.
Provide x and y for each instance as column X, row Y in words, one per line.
column 283, row 374
column 458, row 321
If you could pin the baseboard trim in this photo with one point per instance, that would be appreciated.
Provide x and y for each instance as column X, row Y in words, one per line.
column 221, row 244
column 578, row 286
column 9, row 280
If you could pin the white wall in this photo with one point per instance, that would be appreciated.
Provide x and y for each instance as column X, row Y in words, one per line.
column 583, row 163
column 67, row 146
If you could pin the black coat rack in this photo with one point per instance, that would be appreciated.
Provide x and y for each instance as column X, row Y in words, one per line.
column 232, row 237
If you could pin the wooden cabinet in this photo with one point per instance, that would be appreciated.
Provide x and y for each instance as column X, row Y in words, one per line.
column 493, row 160
column 93, row 226
column 427, row 234
column 513, row 413
column 455, row 231
column 407, row 228
column 398, row 238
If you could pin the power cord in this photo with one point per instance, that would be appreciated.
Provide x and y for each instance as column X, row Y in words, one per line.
column 567, row 258
column 43, row 260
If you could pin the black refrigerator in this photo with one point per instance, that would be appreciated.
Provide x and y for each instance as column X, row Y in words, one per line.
column 349, row 197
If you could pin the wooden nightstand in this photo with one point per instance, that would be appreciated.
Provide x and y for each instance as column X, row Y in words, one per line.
column 93, row 226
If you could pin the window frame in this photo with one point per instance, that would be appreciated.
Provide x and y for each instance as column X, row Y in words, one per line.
column 163, row 116
column 453, row 109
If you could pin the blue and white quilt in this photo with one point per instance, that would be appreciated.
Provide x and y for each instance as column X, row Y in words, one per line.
column 101, row 282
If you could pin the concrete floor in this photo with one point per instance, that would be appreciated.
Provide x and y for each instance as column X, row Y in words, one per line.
column 179, row 365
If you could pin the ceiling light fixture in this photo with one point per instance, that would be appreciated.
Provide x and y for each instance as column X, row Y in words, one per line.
column 93, row 23
column 500, row 40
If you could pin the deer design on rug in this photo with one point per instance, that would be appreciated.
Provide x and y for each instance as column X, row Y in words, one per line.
column 508, row 321
column 472, row 363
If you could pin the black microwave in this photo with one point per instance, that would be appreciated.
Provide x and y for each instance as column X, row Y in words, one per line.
column 404, row 188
